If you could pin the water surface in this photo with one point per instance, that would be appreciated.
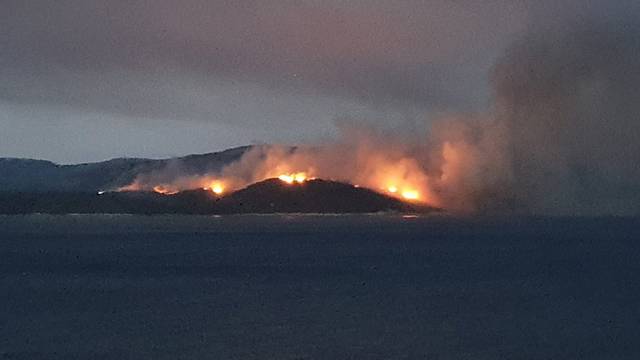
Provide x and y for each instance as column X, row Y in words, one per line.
column 318, row 287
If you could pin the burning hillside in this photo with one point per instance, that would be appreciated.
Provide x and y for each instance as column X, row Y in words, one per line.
column 273, row 195
column 391, row 175
column 311, row 196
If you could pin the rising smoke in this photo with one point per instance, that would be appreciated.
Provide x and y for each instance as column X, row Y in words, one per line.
column 562, row 137
column 570, row 106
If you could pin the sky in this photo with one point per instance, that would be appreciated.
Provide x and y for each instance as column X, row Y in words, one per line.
column 89, row 80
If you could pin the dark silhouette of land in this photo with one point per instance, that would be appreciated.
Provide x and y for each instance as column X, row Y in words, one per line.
column 268, row 196
column 28, row 175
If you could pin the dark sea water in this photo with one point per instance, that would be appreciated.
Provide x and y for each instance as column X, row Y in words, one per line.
column 318, row 287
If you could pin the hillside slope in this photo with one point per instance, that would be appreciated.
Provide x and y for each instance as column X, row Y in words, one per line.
column 44, row 176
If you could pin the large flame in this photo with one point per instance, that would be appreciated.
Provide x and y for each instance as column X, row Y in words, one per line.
column 216, row 186
column 406, row 192
column 294, row 178
column 411, row 195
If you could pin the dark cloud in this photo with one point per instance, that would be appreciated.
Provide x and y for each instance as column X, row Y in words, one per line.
column 133, row 56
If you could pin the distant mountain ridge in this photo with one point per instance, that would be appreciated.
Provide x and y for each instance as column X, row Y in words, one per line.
column 45, row 176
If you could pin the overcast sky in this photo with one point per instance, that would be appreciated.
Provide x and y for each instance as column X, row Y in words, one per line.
column 87, row 80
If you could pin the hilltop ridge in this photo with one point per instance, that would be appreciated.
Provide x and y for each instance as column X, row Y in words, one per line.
column 30, row 175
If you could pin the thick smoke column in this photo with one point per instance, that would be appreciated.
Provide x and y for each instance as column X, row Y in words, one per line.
column 563, row 136
column 569, row 103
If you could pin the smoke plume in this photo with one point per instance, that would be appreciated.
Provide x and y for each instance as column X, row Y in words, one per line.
column 563, row 133
column 562, row 137
column 569, row 105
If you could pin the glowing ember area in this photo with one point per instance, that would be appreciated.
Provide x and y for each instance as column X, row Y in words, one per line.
column 161, row 189
column 411, row 195
column 406, row 193
column 298, row 178
column 216, row 187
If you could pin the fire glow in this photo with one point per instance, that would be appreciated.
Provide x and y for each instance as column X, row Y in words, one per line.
column 405, row 193
column 216, row 187
column 411, row 195
column 164, row 190
column 295, row 178
column 390, row 171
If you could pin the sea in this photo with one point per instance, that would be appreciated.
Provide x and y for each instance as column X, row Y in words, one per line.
column 379, row 286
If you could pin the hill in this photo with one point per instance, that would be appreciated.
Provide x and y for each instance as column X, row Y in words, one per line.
column 269, row 196
column 313, row 196
column 27, row 175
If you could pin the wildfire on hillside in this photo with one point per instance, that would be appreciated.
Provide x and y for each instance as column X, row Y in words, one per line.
column 396, row 170
column 395, row 184
column 295, row 178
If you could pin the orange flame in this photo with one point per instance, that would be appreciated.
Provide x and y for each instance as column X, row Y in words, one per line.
column 411, row 195
column 297, row 178
column 406, row 193
column 216, row 186
column 162, row 189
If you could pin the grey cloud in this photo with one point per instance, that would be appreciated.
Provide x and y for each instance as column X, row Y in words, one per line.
column 426, row 54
